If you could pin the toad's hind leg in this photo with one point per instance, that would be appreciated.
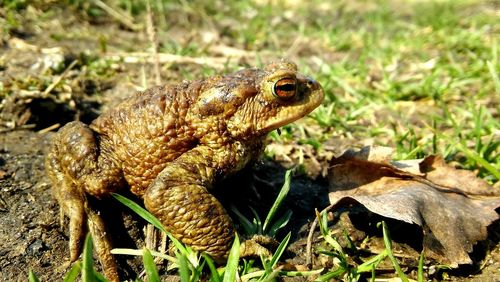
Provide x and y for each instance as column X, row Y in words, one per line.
column 193, row 216
column 179, row 198
column 78, row 168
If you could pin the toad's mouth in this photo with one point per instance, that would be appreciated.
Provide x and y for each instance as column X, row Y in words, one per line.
column 290, row 113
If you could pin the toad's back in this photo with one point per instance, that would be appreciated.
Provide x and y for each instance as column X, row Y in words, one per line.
column 147, row 131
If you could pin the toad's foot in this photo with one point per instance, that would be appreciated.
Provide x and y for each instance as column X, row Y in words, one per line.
column 102, row 243
column 80, row 211
column 257, row 246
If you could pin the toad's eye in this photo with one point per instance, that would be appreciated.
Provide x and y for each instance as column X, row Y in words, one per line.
column 285, row 88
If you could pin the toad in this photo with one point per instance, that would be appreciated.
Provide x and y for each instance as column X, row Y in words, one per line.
column 170, row 145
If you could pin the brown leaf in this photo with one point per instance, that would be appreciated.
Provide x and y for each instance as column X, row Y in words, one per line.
column 452, row 221
column 439, row 172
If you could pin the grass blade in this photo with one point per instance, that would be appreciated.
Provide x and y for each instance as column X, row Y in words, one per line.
column 73, row 273
column 323, row 223
column 150, row 266
column 477, row 158
column 98, row 277
column 388, row 247
column 213, row 270
column 183, row 266
column 371, row 263
column 281, row 196
column 136, row 252
column 257, row 222
column 140, row 211
column 245, row 223
column 149, row 218
column 197, row 272
column 329, row 276
column 301, row 273
column 280, row 223
column 232, row 261
column 254, row 274
column 271, row 277
column 32, row 277
column 494, row 76
column 88, row 261
column 280, row 250
column 420, row 272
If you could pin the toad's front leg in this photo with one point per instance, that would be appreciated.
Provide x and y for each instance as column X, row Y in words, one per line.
column 180, row 199
column 78, row 169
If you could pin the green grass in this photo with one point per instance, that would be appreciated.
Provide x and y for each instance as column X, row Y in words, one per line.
column 414, row 80
column 270, row 226
column 344, row 268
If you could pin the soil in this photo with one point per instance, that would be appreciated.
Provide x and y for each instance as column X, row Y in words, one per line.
column 31, row 236
column 28, row 215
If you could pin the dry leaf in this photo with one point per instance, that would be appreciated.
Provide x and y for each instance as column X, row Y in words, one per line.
column 439, row 172
column 452, row 206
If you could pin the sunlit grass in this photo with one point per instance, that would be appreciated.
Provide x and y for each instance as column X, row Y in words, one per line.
column 406, row 73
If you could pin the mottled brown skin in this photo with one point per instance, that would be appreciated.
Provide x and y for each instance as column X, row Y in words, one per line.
column 169, row 145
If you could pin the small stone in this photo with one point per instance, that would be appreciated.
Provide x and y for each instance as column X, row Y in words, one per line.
column 36, row 247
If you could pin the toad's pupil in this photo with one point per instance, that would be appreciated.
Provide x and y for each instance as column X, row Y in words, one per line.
column 286, row 87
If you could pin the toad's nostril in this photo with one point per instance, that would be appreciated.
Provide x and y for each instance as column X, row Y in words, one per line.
column 311, row 83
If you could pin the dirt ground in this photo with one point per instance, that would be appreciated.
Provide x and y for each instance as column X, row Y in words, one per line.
column 30, row 233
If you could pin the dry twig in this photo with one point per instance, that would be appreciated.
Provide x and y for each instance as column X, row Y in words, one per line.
column 163, row 58
column 58, row 79
column 121, row 17
column 311, row 234
column 50, row 128
column 153, row 39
